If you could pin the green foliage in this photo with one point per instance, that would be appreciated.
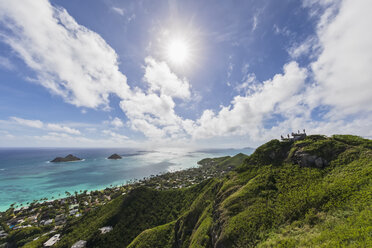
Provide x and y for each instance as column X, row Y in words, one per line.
column 160, row 236
column 327, row 148
column 224, row 163
column 37, row 243
column 353, row 140
column 193, row 218
column 201, row 236
column 141, row 209
column 276, row 197
column 266, row 202
column 22, row 236
column 273, row 152
column 316, row 137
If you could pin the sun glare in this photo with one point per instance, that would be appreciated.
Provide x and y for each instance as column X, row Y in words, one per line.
column 178, row 51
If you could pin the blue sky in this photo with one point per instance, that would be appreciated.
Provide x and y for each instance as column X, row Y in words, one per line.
column 102, row 73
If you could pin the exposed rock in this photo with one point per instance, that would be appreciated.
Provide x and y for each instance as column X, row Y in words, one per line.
column 320, row 162
column 114, row 156
column 307, row 160
column 68, row 158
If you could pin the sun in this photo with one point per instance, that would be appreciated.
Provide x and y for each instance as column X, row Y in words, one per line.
column 178, row 51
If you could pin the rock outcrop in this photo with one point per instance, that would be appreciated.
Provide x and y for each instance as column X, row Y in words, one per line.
column 305, row 159
column 114, row 156
column 68, row 158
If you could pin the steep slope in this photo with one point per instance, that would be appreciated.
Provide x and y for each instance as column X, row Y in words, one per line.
column 129, row 215
column 314, row 192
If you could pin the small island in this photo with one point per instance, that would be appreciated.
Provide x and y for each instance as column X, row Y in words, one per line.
column 114, row 156
column 68, row 158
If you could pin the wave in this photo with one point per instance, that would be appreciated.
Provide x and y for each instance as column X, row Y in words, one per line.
column 82, row 160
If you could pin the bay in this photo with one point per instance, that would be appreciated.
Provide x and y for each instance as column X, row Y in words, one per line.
column 26, row 173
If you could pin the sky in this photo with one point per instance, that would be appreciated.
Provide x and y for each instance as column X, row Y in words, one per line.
column 151, row 74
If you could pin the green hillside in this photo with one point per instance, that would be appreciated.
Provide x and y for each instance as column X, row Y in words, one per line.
column 271, row 201
column 315, row 192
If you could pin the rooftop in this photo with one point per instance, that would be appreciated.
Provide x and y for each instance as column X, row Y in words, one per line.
column 52, row 240
column 79, row 244
column 105, row 229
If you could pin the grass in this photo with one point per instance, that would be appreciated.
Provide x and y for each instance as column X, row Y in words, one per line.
column 268, row 201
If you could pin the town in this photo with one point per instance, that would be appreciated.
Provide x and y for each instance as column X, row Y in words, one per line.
column 45, row 218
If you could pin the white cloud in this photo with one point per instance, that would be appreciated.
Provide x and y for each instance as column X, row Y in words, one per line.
column 77, row 64
column 116, row 122
column 230, row 69
column 29, row 123
column 6, row 135
column 40, row 125
column 131, row 17
column 61, row 139
column 343, row 69
column 246, row 114
column 161, row 79
column 255, row 22
column 115, row 135
column 118, row 10
column 309, row 47
column 153, row 115
column 6, row 63
column 69, row 59
column 248, row 81
column 60, row 128
column 283, row 31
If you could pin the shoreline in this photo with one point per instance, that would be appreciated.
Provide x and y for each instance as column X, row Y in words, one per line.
column 129, row 182
column 145, row 169
column 202, row 171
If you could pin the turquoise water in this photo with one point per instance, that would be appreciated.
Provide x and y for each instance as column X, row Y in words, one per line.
column 26, row 174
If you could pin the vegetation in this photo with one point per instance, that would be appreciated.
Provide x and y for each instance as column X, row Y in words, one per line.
column 267, row 199
column 271, row 202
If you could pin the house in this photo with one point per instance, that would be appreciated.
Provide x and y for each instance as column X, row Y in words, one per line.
column 20, row 221
column 74, row 211
column 79, row 244
column 3, row 234
column 60, row 220
column 12, row 222
column 105, row 229
column 19, row 227
column 33, row 218
column 52, row 240
column 46, row 222
column 73, row 206
column 296, row 136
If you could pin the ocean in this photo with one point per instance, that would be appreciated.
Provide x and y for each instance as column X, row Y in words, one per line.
column 26, row 173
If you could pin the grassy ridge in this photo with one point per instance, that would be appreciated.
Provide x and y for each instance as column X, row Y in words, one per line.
column 271, row 202
column 141, row 209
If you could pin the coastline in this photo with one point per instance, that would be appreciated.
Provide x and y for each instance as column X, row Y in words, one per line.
column 120, row 173
column 205, row 169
